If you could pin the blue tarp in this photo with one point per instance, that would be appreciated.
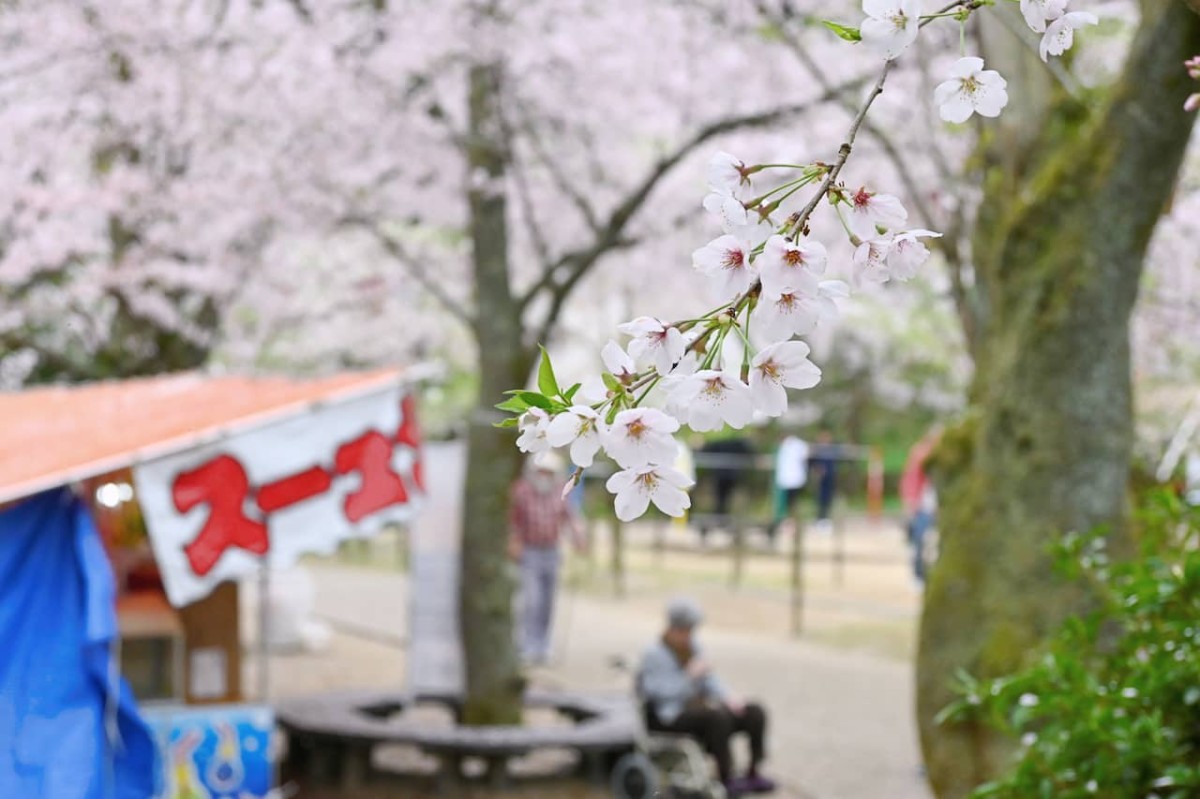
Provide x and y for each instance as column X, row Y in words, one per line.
column 69, row 728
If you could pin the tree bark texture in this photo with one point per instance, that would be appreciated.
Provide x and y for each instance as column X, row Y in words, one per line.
column 1045, row 447
column 493, row 680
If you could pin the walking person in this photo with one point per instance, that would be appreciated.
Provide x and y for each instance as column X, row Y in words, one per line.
column 919, row 496
column 537, row 517
column 823, row 463
column 791, row 474
column 683, row 695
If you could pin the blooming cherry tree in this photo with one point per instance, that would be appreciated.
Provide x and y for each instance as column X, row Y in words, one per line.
column 739, row 360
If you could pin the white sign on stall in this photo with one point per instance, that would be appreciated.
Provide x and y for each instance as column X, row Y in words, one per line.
column 270, row 495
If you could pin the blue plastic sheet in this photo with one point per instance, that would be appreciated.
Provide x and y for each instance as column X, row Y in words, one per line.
column 69, row 728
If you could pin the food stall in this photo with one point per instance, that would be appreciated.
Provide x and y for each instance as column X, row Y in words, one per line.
column 186, row 485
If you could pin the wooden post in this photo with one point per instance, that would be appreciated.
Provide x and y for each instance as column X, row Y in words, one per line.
column 839, row 544
column 797, row 572
column 618, row 557
column 402, row 542
column 739, row 552
column 875, row 486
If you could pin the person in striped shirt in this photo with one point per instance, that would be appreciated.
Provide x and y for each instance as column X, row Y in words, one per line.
column 538, row 515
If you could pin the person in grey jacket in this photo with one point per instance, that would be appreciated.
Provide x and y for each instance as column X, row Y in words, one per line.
column 683, row 695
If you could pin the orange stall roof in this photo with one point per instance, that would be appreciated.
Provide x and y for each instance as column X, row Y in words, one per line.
column 55, row 435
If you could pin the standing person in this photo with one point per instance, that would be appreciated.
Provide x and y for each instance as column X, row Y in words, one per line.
column 920, row 499
column 728, row 456
column 683, row 695
column 791, row 473
column 537, row 515
column 823, row 463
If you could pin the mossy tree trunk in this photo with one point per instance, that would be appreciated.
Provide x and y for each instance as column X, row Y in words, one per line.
column 1046, row 446
column 493, row 680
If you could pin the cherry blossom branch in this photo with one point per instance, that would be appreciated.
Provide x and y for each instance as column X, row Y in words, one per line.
column 886, row 143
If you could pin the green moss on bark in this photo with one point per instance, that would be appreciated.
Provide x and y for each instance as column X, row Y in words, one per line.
column 1046, row 447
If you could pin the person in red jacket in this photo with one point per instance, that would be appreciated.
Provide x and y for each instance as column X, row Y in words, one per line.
column 919, row 496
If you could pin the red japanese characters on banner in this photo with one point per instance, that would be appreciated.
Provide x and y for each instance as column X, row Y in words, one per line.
column 281, row 491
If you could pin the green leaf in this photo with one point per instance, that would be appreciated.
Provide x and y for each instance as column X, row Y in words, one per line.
column 535, row 400
column 514, row 404
column 612, row 383
column 569, row 394
column 547, row 383
column 843, row 31
column 512, row 421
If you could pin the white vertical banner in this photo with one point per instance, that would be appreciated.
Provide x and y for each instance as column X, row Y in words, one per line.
column 270, row 495
column 434, row 658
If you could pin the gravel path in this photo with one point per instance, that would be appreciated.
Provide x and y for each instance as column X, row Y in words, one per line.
column 841, row 725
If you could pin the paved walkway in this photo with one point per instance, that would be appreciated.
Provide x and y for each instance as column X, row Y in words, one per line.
column 842, row 723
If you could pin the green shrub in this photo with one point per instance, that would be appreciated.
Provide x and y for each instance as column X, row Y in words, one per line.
column 1111, row 708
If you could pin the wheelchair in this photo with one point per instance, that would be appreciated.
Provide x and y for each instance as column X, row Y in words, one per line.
column 663, row 765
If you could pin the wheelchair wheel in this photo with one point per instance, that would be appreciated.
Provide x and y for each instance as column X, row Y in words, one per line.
column 635, row 777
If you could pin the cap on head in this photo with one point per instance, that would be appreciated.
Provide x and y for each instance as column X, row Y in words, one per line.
column 684, row 614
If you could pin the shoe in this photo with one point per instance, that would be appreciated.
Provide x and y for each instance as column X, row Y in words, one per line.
column 735, row 788
column 756, row 783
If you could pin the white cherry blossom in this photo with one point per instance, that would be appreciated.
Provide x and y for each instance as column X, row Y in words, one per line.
column 654, row 341
column 727, row 173
column 908, row 253
column 748, row 225
column 1038, row 12
column 640, row 437
column 617, row 361
column 709, row 399
column 635, row 489
column 581, row 428
column 971, row 89
column 779, row 317
column 1060, row 34
column 533, row 425
column 726, row 261
column 870, row 210
column 777, row 368
column 891, row 25
column 727, row 208
column 789, row 266
column 870, row 259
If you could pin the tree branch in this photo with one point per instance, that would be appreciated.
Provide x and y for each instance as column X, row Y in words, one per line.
column 885, row 142
column 394, row 248
column 611, row 235
column 556, row 173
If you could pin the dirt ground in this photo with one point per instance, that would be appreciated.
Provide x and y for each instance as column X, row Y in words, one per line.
column 840, row 694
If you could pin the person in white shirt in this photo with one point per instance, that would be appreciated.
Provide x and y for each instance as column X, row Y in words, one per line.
column 791, row 474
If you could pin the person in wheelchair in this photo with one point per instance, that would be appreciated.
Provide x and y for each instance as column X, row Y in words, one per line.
column 681, row 694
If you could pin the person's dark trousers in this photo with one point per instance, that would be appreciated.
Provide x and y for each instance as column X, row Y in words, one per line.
column 825, row 499
column 917, row 529
column 713, row 728
column 790, row 495
column 725, row 488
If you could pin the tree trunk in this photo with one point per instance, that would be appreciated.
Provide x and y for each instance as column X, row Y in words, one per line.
column 1045, row 448
column 493, row 677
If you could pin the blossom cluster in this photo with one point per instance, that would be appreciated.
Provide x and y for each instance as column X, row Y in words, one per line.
column 767, row 274
column 892, row 25
column 734, row 363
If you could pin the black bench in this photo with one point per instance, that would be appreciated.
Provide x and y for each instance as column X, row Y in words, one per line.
column 331, row 736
